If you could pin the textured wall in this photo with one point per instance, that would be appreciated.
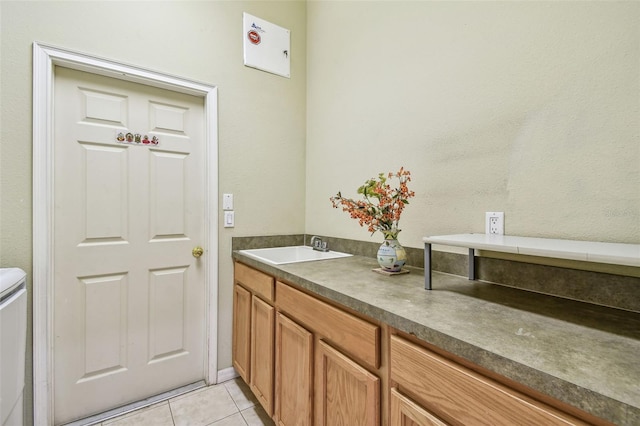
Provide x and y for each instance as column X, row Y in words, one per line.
column 261, row 116
column 531, row 108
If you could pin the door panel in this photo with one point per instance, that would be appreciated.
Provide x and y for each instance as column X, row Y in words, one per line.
column 294, row 373
column 405, row 412
column 105, row 191
column 104, row 334
column 262, row 341
column 167, row 192
column 129, row 298
column 242, row 331
column 346, row 393
column 167, row 325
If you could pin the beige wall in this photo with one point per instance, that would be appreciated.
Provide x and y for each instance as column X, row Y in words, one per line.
column 261, row 116
column 531, row 108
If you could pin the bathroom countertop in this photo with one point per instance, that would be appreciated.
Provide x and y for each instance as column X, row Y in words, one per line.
column 582, row 354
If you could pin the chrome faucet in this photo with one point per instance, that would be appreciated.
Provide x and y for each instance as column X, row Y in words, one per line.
column 318, row 244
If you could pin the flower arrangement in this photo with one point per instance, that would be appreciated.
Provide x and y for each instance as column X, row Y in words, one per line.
column 382, row 205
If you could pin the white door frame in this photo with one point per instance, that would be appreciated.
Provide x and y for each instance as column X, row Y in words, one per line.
column 45, row 58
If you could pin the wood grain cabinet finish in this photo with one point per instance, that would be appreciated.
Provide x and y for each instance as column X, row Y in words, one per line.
column 312, row 363
column 254, row 332
column 262, row 350
column 346, row 393
column 257, row 282
column 405, row 412
column 355, row 336
column 294, row 373
column 241, row 342
column 460, row 396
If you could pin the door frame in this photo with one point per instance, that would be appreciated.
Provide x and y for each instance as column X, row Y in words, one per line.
column 45, row 58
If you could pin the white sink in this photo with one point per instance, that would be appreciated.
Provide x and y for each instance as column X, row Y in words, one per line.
column 291, row 254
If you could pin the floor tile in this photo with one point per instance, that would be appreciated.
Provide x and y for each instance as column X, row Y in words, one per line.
column 202, row 407
column 156, row 415
column 240, row 393
column 235, row 420
column 256, row 416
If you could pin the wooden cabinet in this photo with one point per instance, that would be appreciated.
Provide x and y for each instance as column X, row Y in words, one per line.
column 307, row 361
column 241, row 346
column 331, row 351
column 262, row 350
column 310, row 362
column 294, row 373
column 346, row 393
column 457, row 395
column 405, row 412
column 253, row 332
column 352, row 335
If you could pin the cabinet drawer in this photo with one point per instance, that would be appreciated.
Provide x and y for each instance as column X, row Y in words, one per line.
column 256, row 281
column 462, row 396
column 353, row 335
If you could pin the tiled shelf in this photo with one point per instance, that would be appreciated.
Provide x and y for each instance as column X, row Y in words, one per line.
column 587, row 251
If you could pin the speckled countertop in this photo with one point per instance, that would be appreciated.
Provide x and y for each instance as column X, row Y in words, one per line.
column 583, row 354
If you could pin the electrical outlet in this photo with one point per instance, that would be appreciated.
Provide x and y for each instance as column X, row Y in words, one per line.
column 494, row 223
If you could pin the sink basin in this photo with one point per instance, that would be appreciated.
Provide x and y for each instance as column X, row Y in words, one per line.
column 292, row 254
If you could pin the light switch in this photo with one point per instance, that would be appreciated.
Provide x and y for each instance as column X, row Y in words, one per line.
column 227, row 201
column 229, row 219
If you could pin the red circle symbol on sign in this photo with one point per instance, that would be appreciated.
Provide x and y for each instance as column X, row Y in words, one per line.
column 254, row 37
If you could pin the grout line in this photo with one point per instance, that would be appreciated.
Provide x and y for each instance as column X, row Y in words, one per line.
column 231, row 396
column 173, row 420
column 133, row 407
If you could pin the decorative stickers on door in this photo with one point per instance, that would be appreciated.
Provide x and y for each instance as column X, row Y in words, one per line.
column 122, row 136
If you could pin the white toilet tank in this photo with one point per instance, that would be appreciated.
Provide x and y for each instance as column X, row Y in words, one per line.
column 13, row 340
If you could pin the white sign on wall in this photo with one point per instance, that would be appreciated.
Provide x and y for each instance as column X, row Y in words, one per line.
column 267, row 47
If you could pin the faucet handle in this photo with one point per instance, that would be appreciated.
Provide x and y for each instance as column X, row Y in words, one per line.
column 318, row 244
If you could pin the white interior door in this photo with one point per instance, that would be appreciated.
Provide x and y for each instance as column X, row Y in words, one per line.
column 129, row 297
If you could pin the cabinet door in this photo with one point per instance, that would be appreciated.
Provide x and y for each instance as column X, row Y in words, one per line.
column 241, row 331
column 262, row 347
column 405, row 412
column 347, row 394
column 294, row 373
column 462, row 396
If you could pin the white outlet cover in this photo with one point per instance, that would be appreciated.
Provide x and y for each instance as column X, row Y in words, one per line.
column 227, row 201
column 497, row 228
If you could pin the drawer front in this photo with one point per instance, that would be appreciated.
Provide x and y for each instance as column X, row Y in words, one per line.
column 256, row 281
column 461, row 396
column 353, row 335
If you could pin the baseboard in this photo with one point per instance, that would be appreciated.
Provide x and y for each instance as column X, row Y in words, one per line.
column 226, row 374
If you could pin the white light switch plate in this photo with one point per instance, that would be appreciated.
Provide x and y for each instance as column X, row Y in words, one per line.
column 227, row 201
column 229, row 219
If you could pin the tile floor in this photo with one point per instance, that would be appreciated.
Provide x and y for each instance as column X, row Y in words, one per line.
column 226, row 404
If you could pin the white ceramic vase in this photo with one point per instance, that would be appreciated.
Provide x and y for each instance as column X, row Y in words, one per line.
column 391, row 255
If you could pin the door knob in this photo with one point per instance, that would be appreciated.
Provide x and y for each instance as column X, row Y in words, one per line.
column 197, row 251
